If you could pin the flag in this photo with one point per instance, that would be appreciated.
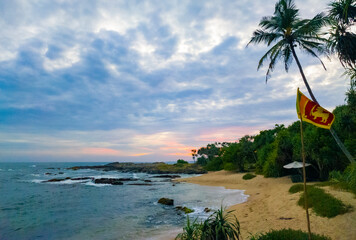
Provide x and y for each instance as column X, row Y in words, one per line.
column 311, row 112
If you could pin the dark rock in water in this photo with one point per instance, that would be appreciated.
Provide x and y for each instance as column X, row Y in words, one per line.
column 127, row 179
column 207, row 210
column 184, row 209
column 147, row 180
column 57, row 179
column 166, row 201
column 112, row 181
column 61, row 173
column 140, row 184
column 48, row 173
column 166, row 176
column 82, row 178
column 74, row 168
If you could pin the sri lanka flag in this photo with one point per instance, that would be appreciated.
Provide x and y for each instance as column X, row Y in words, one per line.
column 309, row 111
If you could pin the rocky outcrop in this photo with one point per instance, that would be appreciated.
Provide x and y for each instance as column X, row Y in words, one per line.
column 152, row 168
column 166, row 176
column 57, row 179
column 184, row 209
column 207, row 210
column 112, row 181
column 166, row 201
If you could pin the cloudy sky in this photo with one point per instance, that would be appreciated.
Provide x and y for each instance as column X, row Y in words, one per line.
column 142, row 80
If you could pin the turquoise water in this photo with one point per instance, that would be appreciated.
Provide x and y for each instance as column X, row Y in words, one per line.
column 32, row 209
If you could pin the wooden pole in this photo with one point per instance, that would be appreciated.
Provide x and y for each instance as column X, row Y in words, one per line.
column 305, row 179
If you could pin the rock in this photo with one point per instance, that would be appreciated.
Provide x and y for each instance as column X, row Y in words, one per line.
column 127, row 179
column 140, row 184
column 166, row 201
column 207, row 210
column 82, row 178
column 48, row 173
column 112, row 181
column 167, row 176
column 57, row 179
column 184, row 209
column 147, row 181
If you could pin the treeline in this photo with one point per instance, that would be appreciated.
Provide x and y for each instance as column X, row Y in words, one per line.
column 267, row 152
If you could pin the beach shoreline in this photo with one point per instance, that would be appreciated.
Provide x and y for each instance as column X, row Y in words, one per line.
column 271, row 206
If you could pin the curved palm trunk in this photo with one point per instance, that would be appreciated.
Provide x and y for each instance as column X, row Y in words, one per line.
column 332, row 131
column 302, row 73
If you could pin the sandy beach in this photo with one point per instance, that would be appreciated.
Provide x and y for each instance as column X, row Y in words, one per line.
column 271, row 206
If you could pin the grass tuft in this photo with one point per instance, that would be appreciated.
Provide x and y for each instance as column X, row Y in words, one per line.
column 322, row 203
column 296, row 188
column 248, row 176
column 288, row 234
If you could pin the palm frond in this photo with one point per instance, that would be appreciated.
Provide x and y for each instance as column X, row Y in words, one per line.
column 266, row 37
column 287, row 54
column 344, row 11
column 311, row 52
column 269, row 53
column 312, row 26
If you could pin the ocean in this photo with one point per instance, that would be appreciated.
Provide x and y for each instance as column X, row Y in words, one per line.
column 80, row 209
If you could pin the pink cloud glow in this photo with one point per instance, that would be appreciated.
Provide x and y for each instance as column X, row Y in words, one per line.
column 101, row 151
column 227, row 134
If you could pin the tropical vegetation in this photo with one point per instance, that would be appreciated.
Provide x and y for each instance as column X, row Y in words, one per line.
column 288, row 234
column 221, row 225
column 322, row 203
column 267, row 152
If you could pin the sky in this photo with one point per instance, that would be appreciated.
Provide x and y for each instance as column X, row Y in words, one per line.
column 141, row 80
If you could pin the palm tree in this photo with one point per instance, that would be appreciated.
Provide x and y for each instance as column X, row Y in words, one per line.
column 286, row 31
column 341, row 40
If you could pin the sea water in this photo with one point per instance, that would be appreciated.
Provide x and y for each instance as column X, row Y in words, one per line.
column 31, row 208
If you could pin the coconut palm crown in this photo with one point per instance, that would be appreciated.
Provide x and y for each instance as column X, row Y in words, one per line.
column 342, row 40
column 286, row 30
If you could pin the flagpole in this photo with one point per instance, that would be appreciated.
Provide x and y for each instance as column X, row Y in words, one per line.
column 304, row 178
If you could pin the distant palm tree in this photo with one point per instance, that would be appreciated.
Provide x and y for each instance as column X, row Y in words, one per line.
column 287, row 31
column 342, row 40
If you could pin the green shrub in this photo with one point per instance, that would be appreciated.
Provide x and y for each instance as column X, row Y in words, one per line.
column 288, row 234
column 181, row 161
column 296, row 188
column 271, row 169
column 350, row 177
column 230, row 167
column 215, row 164
column 220, row 225
column 191, row 231
column 345, row 180
column 322, row 203
column 248, row 176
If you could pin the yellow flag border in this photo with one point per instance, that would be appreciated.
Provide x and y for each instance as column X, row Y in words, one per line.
column 302, row 116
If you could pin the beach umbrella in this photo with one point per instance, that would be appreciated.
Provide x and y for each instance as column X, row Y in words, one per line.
column 296, row 164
